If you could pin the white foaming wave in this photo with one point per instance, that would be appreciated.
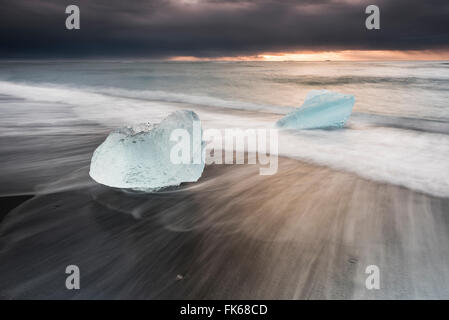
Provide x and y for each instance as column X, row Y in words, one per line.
column 114, row 106
column 104, row 109
column 207, row 101
column 413, row 159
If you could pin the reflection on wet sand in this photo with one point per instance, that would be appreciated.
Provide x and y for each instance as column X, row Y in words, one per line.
column 306, row 232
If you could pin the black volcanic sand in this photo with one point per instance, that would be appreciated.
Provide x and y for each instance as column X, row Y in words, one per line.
column 306, row 232
column 9, row 203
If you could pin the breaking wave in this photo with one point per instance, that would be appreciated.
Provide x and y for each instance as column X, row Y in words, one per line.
column 412, row 153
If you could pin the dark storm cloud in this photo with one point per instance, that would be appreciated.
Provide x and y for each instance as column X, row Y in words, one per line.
column 210, row 28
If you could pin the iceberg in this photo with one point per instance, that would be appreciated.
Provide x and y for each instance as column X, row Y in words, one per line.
column 141, row 157
column 322, row 109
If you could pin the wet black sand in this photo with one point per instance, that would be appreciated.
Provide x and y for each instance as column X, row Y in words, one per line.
column 9, row 203
column 307, row 232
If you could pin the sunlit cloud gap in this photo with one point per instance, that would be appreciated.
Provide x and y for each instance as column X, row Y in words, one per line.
column 346, row 55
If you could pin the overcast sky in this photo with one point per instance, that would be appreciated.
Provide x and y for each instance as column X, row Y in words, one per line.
column 217, row 28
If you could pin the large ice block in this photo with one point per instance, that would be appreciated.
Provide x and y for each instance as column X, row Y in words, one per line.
column 322, row 109
column 140, row 157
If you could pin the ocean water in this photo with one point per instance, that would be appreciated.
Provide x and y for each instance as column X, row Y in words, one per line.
column 398, row 132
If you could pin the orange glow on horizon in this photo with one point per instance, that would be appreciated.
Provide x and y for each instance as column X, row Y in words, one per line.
column 346, row 55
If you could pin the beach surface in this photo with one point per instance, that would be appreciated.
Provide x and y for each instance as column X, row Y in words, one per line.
column 307, row 232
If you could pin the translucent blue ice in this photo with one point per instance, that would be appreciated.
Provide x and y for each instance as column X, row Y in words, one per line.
column 139, row 157
column 322, row 109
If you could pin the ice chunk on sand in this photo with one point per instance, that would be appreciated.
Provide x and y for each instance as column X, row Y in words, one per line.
column 322, row 109
column 139, row 157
